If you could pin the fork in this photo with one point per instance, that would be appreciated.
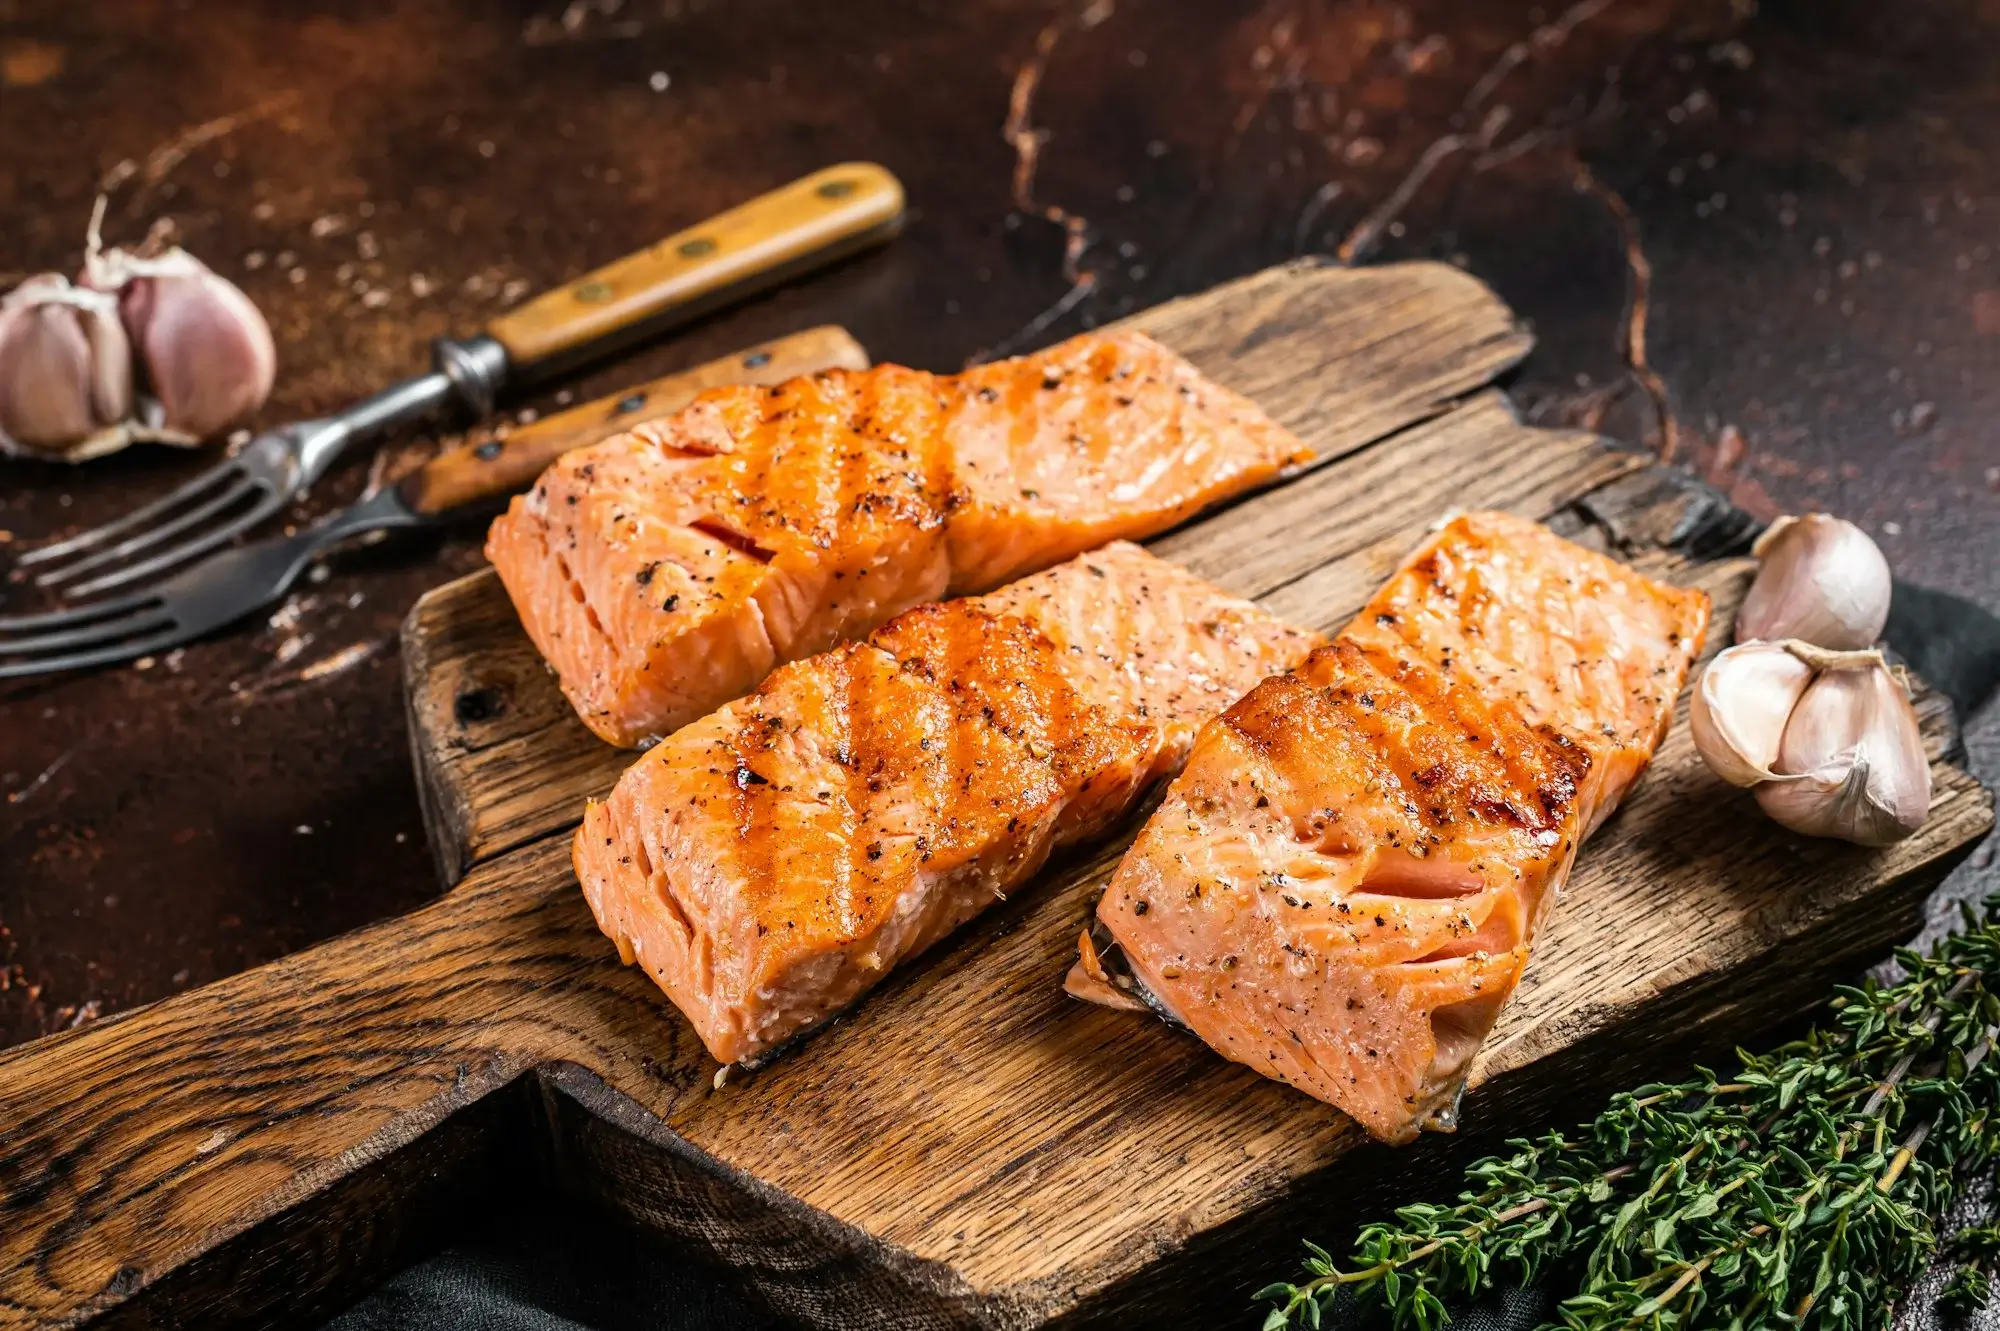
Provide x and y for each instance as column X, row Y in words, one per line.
column 233, row 583
column 812, row 221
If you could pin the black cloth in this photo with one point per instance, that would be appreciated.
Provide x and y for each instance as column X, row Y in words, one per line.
column 547, row 1266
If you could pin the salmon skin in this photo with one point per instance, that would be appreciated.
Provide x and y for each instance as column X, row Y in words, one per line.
column 1341, row 887
column 771, row 862
column 668, row 570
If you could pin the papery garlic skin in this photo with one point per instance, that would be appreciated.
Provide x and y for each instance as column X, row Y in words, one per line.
column 65, row 371
column 207, row 352
column 1822, row 580
column 1738, row 710
column 1852, row 762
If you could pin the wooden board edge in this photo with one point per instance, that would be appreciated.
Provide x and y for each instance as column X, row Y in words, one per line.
column 611, row 1151
column 447, row 821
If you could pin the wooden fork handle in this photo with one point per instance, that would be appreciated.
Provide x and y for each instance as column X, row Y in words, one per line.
column 812, row 221
column 499, row 465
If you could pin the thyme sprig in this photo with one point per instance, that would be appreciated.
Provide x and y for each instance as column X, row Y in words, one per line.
column 1976, row 1249
column 1802, row 1191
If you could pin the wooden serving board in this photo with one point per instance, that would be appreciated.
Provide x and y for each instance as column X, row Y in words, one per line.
column 969, row 1147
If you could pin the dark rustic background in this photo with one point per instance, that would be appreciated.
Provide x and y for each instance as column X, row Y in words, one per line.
column 1757, row 237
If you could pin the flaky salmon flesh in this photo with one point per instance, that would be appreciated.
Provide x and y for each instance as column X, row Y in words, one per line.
column 772, row 861
column 666, row 571
column 1341, row 887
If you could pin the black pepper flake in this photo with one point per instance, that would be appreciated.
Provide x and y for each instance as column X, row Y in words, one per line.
column 1140, row 907
column 671, row 604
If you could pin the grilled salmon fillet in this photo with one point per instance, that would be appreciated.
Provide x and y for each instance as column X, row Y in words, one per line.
column 770, row 862
column 1341, row 887
column 668, row 570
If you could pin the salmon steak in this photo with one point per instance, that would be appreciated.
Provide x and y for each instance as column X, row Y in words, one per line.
column 666, row 571
column 770, row 862
column 1341, row 887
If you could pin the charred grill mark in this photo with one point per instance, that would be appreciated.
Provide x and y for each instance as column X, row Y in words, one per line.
column 740, row 542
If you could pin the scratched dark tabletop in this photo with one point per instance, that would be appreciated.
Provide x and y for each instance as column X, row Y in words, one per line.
column 1802, row 199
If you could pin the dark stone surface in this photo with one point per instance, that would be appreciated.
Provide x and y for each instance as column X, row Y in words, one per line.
column 1813, row 187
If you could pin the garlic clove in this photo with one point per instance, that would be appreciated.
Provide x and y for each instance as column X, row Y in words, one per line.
column 111, row 361
column 1852, row 761
column 207, row 352
column 65, row 370
column 1822, row 580
column 1738, row 710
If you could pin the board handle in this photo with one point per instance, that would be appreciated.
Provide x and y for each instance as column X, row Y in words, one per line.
column 810, row 222
column 495, row 466
column 133, row 1147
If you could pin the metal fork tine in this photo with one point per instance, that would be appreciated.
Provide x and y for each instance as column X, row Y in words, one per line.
column 272, row 501
column 173, row 499
column 84, row 614
column 102, row 656
column 89, row 635
column 152, row 536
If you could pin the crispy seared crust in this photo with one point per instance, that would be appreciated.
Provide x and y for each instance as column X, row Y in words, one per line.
column 769, row 863
column 1341, row 888
column 668, row 570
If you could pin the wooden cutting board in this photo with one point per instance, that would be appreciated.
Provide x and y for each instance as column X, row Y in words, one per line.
column 970, row 1147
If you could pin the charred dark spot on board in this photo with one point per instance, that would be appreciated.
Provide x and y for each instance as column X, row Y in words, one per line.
column 477, row 706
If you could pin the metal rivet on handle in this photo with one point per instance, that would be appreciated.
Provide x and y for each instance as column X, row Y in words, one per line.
column 627, row 405
column 836, row 189
column 756, row 360
column 592, row 292
column 694, row 249
column 489, row 450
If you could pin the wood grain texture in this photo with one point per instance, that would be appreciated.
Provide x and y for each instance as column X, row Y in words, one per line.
column 969, row 1147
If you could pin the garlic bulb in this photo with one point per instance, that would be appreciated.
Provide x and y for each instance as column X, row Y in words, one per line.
column 1822, row 580
column 1852, row 762
column 65, row 371
column 1738, row 710
column 207, row 353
